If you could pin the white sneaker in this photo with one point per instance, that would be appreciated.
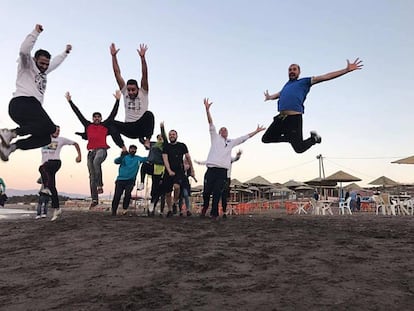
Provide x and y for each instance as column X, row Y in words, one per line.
column 6, row 137
column 43, row 216
column 140, row 186
column 37, row 217
column 316, row 137
column 46, row 191
column 56, row 213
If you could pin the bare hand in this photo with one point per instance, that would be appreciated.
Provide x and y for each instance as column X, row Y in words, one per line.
column 267, row 96
column 68, row 96
column 118, row 94
column 207, row 104
column 356, row 65
column 39, row 28
column 142, row 50
column 78, row 159
column 68, row 48
column 260, row 128
column 113, row 49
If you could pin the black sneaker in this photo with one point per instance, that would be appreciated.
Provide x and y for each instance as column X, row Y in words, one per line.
column 188, row 214
column 181, row 214
column 316, row 137
column 169, row 214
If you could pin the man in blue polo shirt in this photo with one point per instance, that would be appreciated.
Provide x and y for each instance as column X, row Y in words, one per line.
column 287, row 125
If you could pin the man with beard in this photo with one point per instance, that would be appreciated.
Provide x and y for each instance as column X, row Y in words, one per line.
column 287, row 125
column 139, row 121
column 172, row 155
column 127, row 173
column 25, row 108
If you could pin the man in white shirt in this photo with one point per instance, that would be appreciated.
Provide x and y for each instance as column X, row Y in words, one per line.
column 139, row 121
column 25, row 107
column 51, row 164
column 219, row 162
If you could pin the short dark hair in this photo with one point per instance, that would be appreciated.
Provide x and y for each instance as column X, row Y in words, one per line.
column 96, row 114
column 133, row 146
column 42, row 53
column 132, row 82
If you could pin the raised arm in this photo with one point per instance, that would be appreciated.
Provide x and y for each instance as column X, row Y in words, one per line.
column 258, row 129
column 58, row 59
column 114, row 111
column 208, row 105
column 117, row 71
column 163, row 134
column 144, row 79
column 75, row 109
column 356, row 65
column 237, row 157
column 28, row 44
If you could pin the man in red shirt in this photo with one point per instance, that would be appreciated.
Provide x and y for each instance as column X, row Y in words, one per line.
column 96, row 132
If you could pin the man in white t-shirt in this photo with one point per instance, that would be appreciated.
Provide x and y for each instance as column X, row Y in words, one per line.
column 139, row 121
column 25, row 107
column 51, row 163
column 218, row 162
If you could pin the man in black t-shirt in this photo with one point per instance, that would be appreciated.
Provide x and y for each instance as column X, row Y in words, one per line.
column 172, row 156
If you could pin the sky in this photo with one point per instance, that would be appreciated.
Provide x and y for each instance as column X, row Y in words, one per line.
column 230, row 52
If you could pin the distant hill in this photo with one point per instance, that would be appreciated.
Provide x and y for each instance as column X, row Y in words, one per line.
column 17, row 193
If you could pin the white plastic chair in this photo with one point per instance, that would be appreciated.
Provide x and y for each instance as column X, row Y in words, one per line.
column 345, row 206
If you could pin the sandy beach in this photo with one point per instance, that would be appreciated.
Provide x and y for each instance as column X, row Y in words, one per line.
column 267, row 261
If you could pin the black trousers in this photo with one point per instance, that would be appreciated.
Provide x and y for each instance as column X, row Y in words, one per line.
column 214, row 182
column 48, row 172
column 122, row 186
column 142, row 128
column 33, row 120
column 289, row 129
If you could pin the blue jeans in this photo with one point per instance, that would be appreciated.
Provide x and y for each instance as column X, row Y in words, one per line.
column 95, row 159
column 42, row 205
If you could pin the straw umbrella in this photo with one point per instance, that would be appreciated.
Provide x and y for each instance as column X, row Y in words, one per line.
column 384, row 181
column 409, row 160
column 341, row 177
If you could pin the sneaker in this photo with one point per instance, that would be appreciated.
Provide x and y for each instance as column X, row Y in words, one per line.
column 100, row 190
column 37, row 217
column 93, row 204
column 39, row 180
column 6, row 137
column 181, row 214
column 169, row 214
column 46, row 191
column 124, row 212
column 56, row 213
column 43, row 216
column 5, row 152
column 316, row 137
column 140, row 186
column 174, row 208
column 188, row 214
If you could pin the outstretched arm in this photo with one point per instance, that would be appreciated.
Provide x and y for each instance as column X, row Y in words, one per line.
column 144, row 79
column 208, row 105
column 271, row 97
column 259, row 129
column 58, row 59
column 76, row 110
column 115, row 66
column 356, row 65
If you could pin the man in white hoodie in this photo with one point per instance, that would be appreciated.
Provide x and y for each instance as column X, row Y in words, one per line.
column 218, row 162
column 25, row 108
